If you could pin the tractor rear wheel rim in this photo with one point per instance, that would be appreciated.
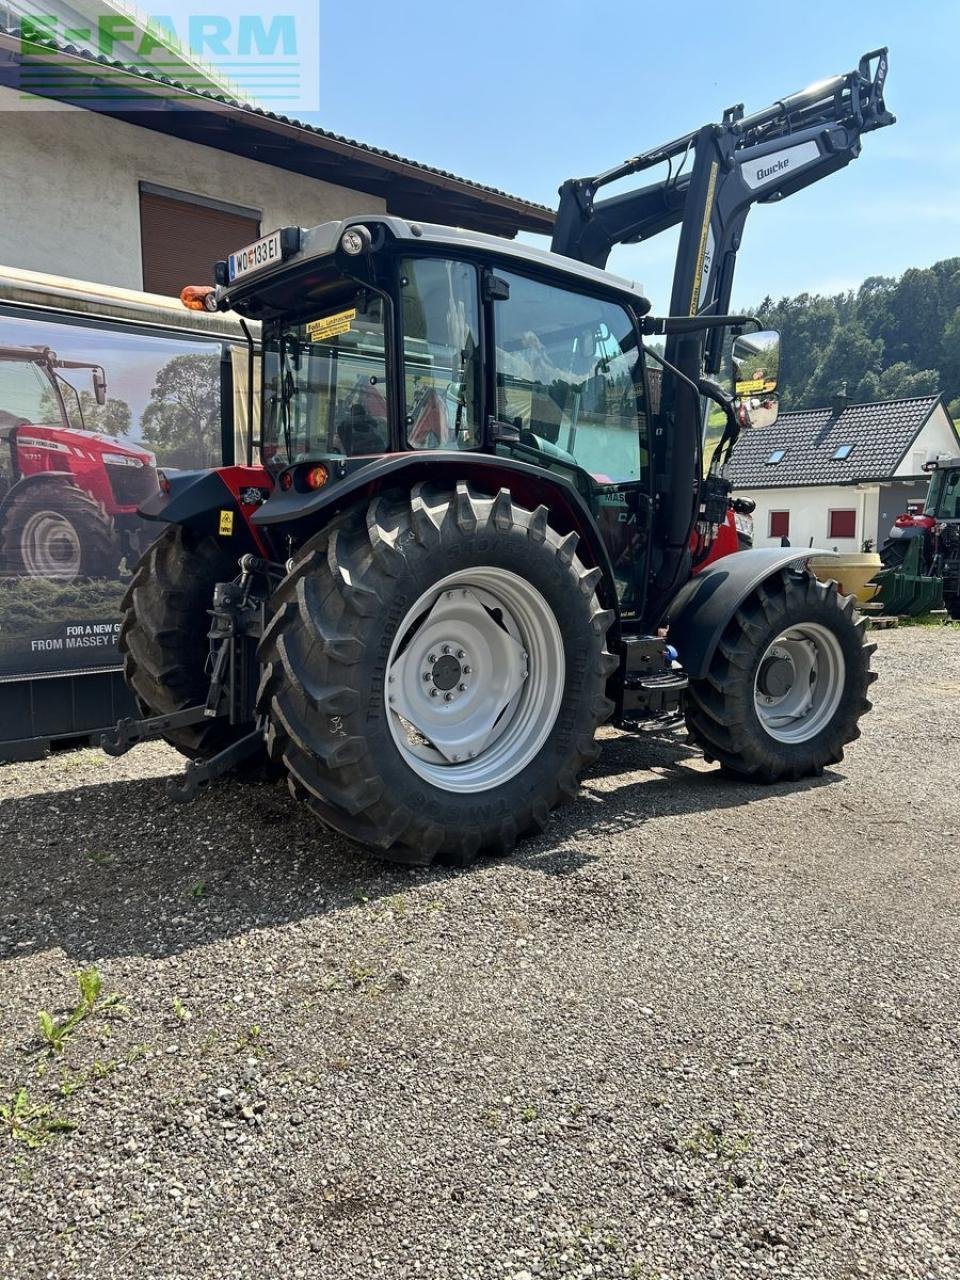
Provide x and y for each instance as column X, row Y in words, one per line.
column 50, row 546
column 475, row 678
column 799, row 682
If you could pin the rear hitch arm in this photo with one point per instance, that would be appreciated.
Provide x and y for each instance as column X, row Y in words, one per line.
column 186, row 786
column 127, row 733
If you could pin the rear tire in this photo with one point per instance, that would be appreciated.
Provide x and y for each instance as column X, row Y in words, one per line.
column 163, row 636
column 787, row 684
column 359, row 606
column 57, row 531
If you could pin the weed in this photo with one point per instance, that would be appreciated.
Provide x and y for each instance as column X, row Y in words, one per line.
column 528, row 1114
column 711, row 1142
column 73, row 1082
column 31, row 1122
column 54, row 1031
column 180, row 1010
column 249, row 1039
column 98, row 857
column 198, row 890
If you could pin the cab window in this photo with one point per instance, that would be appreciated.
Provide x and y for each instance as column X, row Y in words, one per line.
column 441, row 353
column 569, row 378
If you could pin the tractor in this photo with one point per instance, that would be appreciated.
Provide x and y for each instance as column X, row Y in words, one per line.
column 921, row 556
column 68, row 502
column 469, row 538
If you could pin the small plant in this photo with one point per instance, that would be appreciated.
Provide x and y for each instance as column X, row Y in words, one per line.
column 528, row 1114
column 98, row 857
column 31, row 1122
column 198, row 890
column 54, row 1031
column 180, row 1010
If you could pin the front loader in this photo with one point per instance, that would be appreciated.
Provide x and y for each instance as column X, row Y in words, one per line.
column 471, row 537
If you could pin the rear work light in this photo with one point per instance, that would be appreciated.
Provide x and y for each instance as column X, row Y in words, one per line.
column 316, row 477
column 199, row 297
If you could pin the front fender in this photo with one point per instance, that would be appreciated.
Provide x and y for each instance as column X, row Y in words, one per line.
column 698, row 614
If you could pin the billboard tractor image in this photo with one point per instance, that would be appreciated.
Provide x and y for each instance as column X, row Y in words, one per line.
column 68, row 496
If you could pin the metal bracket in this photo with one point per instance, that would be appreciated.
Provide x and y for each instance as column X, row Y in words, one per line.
column 186, row 786
column 127, row 733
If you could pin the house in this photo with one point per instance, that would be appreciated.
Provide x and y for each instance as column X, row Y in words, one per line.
column 838, row 477
column 119, row 174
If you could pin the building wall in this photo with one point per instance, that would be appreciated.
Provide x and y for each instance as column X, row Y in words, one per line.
column 809, row 508
column 937, row 437
column 70, row 200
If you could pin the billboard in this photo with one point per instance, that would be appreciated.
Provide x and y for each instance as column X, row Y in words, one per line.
column 88, row 413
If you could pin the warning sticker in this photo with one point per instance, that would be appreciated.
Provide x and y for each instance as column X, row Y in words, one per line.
column 226, row 522
column 751, row 386
column 330, row 326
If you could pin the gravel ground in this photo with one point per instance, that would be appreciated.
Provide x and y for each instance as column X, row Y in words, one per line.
column 697, row 1029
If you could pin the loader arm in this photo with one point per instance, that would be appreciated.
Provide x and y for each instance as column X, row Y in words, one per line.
column 714, row 176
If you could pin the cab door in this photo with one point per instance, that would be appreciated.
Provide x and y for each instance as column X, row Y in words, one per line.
column 569, row 379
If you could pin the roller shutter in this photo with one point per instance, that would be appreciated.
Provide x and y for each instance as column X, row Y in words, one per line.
column 181, row 240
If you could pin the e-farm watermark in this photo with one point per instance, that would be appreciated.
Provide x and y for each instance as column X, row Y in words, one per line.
column 267, row 51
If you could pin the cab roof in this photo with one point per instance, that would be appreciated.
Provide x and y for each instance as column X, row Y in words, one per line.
column 320, row 242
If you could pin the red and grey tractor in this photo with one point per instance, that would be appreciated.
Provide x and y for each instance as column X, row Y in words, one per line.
column 68, row 497
column 470, row 539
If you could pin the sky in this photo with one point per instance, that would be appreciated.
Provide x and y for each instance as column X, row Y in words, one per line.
column 522, row 95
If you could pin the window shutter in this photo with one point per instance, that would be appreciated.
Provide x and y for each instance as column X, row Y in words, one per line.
column 779, row 524
column 843, row 524
column 181, row 240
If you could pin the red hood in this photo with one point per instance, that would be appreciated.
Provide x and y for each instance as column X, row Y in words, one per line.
column 83, row 442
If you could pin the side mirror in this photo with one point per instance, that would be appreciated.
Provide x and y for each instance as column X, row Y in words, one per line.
column 99, row 385
column 756, row 374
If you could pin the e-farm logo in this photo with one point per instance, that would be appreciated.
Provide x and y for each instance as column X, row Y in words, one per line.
column 267, row 51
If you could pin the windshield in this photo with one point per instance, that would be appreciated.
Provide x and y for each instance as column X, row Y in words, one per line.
column 944, row 500
column 325, row 384
column 26, row 395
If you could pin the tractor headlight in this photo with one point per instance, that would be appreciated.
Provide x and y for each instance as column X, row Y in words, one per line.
column 121, row 460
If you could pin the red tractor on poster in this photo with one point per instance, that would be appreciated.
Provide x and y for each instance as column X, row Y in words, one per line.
column 68, row 496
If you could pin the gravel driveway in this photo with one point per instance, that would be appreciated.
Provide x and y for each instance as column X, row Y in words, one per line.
column 697, row 1029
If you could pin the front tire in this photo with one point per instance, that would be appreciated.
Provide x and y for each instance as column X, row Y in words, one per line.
column 490, row 627
column 787, row 684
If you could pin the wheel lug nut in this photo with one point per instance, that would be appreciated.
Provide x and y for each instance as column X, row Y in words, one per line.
column 445, row 649
column 448, row 697
column 461, row 653
column 434, row 692
column 426, row 675
column 468, row 671
column 462, row 688
column 431, row 657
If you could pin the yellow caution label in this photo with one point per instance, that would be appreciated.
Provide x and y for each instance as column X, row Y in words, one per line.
column 330, row 326
column 226, row 523
column 752, row 386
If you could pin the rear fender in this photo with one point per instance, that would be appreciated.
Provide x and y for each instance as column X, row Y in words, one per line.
column 698, row 614
column 303, row 514
column 33, row 482
column 217, row 504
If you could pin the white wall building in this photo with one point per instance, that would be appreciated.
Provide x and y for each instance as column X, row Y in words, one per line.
column 839, row 477
column 114, row 174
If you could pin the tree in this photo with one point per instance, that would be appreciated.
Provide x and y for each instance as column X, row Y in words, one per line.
column 110, row 419
column 182, row 420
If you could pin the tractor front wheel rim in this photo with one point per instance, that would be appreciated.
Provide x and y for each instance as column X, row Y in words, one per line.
column 799, row 682
column 474, row 679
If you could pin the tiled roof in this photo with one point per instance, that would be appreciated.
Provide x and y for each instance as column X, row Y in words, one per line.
column 183, row 93
column 880, row 434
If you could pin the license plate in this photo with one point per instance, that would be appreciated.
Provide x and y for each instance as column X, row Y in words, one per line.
column 264, row 252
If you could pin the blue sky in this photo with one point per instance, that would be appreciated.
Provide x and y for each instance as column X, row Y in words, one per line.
column 521, row 95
